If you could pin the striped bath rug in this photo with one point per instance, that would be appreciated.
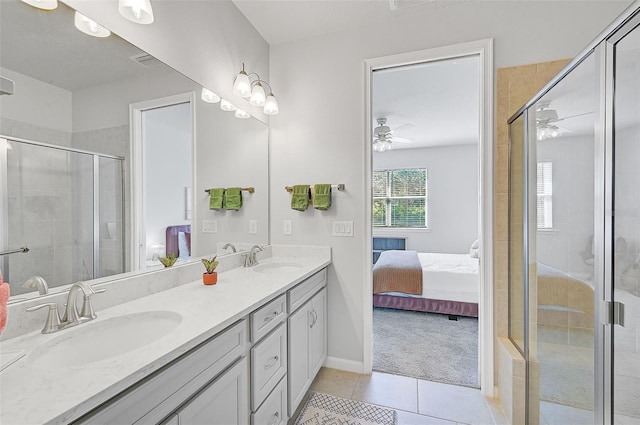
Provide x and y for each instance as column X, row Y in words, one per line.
column 325, row 409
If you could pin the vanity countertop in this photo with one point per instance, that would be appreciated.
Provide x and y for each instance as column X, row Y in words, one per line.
column 31, row 395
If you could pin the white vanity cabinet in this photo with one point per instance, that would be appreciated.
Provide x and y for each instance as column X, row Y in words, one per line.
column 307, row 336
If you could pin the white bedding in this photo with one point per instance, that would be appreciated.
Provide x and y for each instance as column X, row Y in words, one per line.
column 451, row 277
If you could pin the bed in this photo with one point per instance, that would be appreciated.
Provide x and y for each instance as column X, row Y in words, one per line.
column 448, row 283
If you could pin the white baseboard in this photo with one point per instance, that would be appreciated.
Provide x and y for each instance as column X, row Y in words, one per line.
column 344, row 364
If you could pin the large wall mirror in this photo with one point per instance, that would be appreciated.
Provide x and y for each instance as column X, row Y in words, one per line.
column 106, row 155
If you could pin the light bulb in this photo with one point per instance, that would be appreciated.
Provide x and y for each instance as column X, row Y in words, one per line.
column 225, row 105
column 138, row 11
column 242, row 84
column 42, row 4
column 89, row 26
column 271, row 105
column 209, row 96
column 258, row 97
column 242, row 114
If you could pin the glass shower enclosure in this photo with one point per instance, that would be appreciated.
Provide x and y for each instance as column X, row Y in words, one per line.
column 66, row 206
column 574, row 235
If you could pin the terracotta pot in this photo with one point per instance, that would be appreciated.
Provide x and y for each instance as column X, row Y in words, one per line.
column 210, row 278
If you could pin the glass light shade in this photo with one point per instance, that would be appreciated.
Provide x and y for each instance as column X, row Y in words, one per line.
column 258, row 97
column 43, row 4
column 242, row 114
column 271, row 105
column 242, row 85
column 89, row 26
column 225, row 105
column 209, row 96
column 138, row 11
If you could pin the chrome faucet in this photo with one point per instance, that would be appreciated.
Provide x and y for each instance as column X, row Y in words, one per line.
column 71, row 316
column 250, row 259
column 229, row 245
column 37, row 282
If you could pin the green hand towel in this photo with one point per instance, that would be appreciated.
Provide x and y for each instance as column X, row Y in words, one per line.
column 233, row 198
column 300, row 197
column 216, row 198
column 322, row 196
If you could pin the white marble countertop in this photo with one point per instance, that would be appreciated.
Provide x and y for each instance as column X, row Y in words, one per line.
column 33, row 395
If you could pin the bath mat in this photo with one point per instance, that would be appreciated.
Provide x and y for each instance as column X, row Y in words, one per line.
column 324, row 409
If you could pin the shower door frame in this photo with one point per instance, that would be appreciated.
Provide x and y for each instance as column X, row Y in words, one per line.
column 4, row 192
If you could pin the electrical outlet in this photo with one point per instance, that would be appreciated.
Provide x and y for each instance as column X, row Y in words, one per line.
column 253, row 227
column 209, row 226
column 286, row 229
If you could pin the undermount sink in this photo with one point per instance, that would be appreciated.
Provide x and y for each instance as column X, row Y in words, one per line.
column 92, row 342
column 276, row 267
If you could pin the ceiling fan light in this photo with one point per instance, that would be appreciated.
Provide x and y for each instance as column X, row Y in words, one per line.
column 138, row 11
column 89, row 26
column 209, row 96
column 42, row 4
column 225, row 105
column 258, row 97
column 271, row 105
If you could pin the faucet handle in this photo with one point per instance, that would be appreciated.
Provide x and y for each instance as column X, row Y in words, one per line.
column 87, row 306
column 53, row 318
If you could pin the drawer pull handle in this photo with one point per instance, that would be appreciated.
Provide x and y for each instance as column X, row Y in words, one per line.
column 270, row 318
column 273, row 363
column 276, row 416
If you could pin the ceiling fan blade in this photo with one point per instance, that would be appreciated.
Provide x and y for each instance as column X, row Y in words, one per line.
column 405, row 126
column 403, row 139
column 573, row 116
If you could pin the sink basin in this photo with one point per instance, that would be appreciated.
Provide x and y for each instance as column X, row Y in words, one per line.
column 92, row 342
column 276, row 267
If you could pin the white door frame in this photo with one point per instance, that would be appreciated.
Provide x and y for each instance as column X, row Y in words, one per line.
column 136, row 168
column 484, row 50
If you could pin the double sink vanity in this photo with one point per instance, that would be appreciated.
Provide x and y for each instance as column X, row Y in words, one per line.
column 242, row 351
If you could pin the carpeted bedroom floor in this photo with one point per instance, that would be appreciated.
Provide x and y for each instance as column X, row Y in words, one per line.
column 426, row 346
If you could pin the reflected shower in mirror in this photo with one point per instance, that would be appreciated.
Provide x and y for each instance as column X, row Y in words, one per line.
column 103, row 148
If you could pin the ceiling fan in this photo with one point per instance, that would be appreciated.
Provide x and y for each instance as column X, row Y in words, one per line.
column 546, row 119
column 383, row 135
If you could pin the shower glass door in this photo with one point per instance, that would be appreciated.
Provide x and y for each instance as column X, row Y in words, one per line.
column 625, row 259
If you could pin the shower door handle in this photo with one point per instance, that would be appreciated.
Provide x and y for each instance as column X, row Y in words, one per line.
column 613, row 312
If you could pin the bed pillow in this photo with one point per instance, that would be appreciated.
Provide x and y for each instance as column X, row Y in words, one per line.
column 183, row 244
column 474, row 250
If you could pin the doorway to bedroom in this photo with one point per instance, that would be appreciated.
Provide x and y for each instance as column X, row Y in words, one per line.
column 425, row 219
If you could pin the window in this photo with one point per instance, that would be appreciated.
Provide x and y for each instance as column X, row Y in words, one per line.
column 400, row 198
column 545, row 195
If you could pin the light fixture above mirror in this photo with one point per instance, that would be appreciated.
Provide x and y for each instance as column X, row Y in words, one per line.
column 89, row 26
column 137, row 11
column 243, row 86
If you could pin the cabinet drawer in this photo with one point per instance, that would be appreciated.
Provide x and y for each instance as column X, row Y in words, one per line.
column 305, row 290
column 155, row 397
column 268, row 365
column 268, row 317
column 274, row 409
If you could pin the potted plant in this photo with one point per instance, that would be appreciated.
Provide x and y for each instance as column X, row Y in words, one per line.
column 210, row 277
column 169, row 260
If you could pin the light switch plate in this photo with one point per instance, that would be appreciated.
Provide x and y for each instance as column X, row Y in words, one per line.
column 286, row 228
column 209, row 226
column 343, row 229
column 253, row 227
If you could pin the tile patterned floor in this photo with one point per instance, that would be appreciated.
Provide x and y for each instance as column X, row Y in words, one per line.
column 417, row 402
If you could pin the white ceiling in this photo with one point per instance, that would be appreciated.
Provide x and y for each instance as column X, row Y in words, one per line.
column 30, row 37
column 438, row 100
column 281, row 21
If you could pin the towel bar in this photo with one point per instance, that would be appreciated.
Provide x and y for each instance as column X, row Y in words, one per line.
column 340, row 187
column 246, row 189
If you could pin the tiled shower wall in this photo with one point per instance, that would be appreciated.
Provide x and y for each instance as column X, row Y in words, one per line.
column 514, row 86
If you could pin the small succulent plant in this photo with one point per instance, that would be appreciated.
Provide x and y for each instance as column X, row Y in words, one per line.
column 169, row 260
column 211, row 264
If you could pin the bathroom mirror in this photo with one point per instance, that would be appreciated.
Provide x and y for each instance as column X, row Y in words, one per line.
column 104, row 147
